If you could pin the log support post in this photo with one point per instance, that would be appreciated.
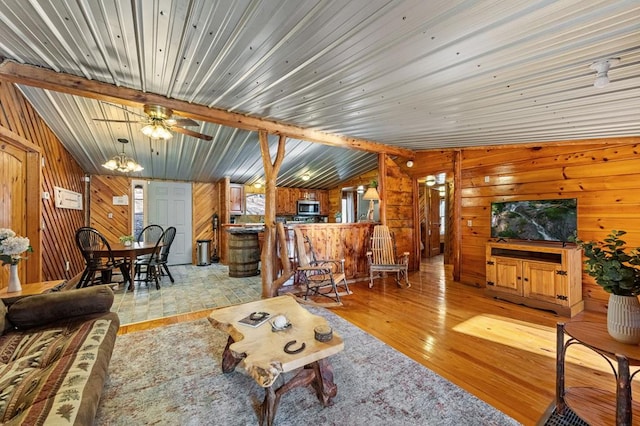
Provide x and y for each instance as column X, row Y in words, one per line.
column 268, row 256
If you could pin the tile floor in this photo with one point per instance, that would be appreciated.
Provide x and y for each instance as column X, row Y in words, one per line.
column 195, row 288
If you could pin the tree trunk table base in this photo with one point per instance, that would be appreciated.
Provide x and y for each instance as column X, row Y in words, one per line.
column 262, row 353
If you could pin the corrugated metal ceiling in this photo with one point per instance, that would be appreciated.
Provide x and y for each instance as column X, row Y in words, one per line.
column 415, row 74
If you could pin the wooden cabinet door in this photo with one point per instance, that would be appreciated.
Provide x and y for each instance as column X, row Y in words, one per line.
column 236, row 199
column 508, row 275
column 543, row 282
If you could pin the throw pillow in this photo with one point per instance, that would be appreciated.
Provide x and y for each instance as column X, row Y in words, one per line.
column 4, row 322
column 42, row 309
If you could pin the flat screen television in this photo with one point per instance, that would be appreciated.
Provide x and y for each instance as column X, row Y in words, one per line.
column 537, row 220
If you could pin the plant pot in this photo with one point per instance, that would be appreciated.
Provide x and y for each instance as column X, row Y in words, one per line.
column 623, row 318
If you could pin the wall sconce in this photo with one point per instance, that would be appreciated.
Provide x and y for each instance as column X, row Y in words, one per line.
column 360, row 189
column 431, row 180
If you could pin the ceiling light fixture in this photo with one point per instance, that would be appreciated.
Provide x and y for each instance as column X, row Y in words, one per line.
column 157, row 130
column 122, row 163
column 306, row 177
column 601, row 68
column 257, row 185
column 409, row 163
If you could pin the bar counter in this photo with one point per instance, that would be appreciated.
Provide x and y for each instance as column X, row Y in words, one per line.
column 348, row 241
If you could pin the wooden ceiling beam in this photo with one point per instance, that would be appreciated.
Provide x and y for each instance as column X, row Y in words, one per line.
column 79, row 86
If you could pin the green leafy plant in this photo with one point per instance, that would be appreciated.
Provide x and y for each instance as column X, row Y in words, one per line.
column 127, row 238
column 614, row 268
column 338, row 215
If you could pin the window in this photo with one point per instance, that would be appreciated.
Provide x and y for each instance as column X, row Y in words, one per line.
column 138, row 209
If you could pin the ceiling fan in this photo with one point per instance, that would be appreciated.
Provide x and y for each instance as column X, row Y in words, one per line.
column 159, row 123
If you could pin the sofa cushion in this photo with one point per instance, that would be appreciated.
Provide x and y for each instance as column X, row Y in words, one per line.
column 44, row 309
column 67, row 390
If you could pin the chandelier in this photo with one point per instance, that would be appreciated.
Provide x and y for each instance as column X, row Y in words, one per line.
column 121, row 163
column 157, row 130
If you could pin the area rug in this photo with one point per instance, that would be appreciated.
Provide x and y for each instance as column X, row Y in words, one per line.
column 172, row 376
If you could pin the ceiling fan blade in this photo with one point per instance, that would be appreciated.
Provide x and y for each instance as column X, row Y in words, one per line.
column 125, row 109
column 181, row 122
column 192, row 133
column 116, row 121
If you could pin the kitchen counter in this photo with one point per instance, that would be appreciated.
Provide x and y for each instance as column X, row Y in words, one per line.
column 348, row 241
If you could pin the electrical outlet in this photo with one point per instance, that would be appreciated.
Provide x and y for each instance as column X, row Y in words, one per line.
column 487, row 179
column 469, row 223
column 110, row 215
column 66, row 265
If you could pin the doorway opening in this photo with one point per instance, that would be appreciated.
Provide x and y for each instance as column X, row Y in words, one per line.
column 434, row 225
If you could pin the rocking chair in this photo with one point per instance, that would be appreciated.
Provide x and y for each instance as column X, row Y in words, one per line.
column 382, row 256
column 321, row 277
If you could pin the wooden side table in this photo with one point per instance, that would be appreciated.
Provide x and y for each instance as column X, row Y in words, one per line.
column 31, row 288
column 597, row 406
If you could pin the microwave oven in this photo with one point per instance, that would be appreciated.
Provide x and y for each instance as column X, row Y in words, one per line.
column 308, row 207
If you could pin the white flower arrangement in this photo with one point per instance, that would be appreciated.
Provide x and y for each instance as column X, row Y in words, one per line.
column 12, row 246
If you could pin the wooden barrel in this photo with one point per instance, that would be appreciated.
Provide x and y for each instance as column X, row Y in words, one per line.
column 244, row 254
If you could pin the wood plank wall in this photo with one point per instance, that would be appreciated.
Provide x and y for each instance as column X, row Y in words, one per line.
column 603, row 175
column 60, row 169
column 399, row 202
column 104, row 187
column 205, row 204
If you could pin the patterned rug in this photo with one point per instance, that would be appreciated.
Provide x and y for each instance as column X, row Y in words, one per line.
column 172, row 376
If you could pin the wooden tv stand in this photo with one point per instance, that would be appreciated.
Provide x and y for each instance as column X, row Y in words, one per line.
column 536, row 274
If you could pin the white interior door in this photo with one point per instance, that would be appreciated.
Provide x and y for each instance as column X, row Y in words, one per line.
column 170, row 205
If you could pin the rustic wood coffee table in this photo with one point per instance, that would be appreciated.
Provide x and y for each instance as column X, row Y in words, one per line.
column 262, row 350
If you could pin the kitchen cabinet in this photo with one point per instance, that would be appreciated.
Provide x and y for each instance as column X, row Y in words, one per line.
column 236, row 199
column 286, row 199
column 539, row 275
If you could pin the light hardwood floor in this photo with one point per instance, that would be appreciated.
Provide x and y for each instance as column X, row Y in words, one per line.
column 501, row 352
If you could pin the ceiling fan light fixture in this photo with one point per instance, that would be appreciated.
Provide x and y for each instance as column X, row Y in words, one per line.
column 601, row 68
column 156, row 131
column 121, row 163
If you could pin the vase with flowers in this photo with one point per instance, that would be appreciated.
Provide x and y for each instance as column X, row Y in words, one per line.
column 12, row 247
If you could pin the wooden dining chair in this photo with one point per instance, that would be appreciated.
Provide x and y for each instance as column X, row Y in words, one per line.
column 382, row 256
column 162, row 258
column 146, row 265
column 89, row 239
column 321, row 276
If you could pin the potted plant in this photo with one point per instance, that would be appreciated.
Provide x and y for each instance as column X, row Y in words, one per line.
column 338, row 216
column 615, row 269
column 127, row 239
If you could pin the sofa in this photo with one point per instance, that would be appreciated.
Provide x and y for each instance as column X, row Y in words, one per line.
column 55, row 350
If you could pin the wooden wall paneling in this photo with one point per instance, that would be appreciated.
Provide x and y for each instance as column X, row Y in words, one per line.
column 398, row 203
column 103, row 189
column 204, row 206
column 604, row 177
column 51, row 230
column 223, row 188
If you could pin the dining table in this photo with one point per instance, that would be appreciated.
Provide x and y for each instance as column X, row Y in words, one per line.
column 131, row 251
